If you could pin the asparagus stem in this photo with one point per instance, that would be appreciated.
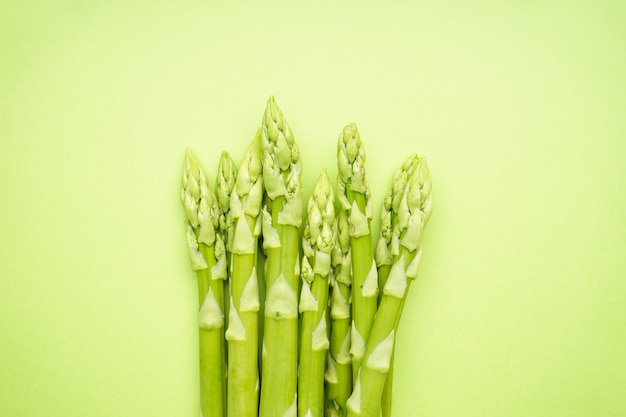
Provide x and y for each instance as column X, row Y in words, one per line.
column 339, row 374
column 205, row 249
column 354, row 196
column 242, row 334
column 410, row 212
column 282, row 169
column 384, row 256
column 318, row 242
column 224, row 184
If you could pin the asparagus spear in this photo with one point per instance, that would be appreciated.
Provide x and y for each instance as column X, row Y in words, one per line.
column 224, row 184
column 354, row 196
column 339, row 373
column 282, row 169
column 318, row 241
column 384, row 256
column 411, row 210
column 242, row 333
column 205, row 248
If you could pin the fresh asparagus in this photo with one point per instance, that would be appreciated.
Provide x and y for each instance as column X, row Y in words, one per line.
column 410, row 211
column 282, row 169
column 384, row 256
column 242, row 333
column 224, row 184
column 318, row 242
column 206, row 252
column 354, row 196
column 339, row 372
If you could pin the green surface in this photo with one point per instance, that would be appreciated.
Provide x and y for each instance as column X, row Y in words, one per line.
column 520, row 309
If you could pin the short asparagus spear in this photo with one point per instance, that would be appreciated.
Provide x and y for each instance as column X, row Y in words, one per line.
column 384, row 256
column 282, row 169
column 339, row 372
column 318, row 241
column 205, row 248
column 354, row 196
column 412, row 210
column 242, row 333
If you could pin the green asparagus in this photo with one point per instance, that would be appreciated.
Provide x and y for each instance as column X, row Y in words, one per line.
column 282, row 169
column 242, row 333
column 318, row 241
column 354, row 196
column 384, row 256
column 411, row 210
column 206, row 252
column 339, row 371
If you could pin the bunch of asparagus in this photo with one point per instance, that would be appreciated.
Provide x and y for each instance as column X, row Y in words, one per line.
column 298, row 316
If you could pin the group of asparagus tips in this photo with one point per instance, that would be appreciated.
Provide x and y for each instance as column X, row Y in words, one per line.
column 285, row 332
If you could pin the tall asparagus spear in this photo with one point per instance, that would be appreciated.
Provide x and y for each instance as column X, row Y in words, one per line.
column 205, row 248
column 282, row 169
column 318, row 242
column 354, row 196
column 412, row 210
column 339, row 372
column 224, row 184
column 242, row 334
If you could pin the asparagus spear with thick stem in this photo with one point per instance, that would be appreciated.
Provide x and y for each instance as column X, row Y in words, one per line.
column 282, row 169
column 205, row 248
column 242, row 333
column 354, row 196
column 411, row 210
column 339, row 371
column 318, row 242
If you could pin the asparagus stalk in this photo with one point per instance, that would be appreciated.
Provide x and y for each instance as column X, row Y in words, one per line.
column 224, row 184
column 282, row 169
column 206, row 249
column 354, row 196
column 384, row 256
column 318, row 242
column 242, row 333
column 411, row 210
column 339, row 372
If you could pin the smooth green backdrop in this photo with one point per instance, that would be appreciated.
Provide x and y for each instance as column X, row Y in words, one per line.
column 520, row 107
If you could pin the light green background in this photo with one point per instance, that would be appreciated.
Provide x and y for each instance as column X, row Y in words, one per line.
column 520, row 309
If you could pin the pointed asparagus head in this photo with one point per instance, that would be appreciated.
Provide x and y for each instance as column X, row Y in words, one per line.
column 319, row 230
column 200, row 205
column 225, row 182
column 351, row 159
column 247, row 194
column 190, row 187
column 282, row 166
